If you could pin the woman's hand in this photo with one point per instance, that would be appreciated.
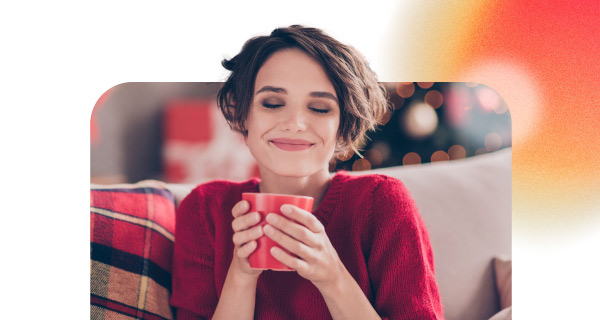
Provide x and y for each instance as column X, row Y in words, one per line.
column 238, row 297
column 246, row 231
column 305, row 236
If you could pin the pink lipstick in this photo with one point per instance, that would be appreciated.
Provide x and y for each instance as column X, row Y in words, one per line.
column 291, row 144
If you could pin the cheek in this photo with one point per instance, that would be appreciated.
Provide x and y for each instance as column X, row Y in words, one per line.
column 251, row 130
column 258, row 125
column 253, row 125
column 329, row 131
column 253, row 136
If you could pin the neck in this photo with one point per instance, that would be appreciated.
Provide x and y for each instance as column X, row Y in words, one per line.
column 315, row 185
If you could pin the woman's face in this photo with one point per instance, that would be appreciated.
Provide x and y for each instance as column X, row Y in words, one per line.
column 294, row 117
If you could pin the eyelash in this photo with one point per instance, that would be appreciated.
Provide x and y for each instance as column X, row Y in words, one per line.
column 275, row 106
column 320, row 110
column 272, row 106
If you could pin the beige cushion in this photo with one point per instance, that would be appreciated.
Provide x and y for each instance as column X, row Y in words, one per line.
column 503, row 271
column 504, row 314
column 466, row 206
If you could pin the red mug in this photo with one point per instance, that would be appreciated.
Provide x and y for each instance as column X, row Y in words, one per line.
column 265, row 203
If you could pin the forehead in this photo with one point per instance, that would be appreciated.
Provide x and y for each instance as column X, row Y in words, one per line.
column 295, row 71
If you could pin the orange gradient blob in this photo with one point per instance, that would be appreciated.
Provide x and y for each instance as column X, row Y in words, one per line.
column 540, row 57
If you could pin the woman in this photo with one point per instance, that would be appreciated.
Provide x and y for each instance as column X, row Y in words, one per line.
column 299, row 98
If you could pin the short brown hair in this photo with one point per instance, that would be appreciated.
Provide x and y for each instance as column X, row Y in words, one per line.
column 362, row 100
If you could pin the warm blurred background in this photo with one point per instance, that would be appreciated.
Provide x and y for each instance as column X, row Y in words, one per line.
column 175, row 133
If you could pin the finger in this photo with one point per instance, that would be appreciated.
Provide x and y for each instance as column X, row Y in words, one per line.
column 240, row 238
column 302, row 216
column 245, row 221
column 297, row 264
column 295, row 230
column 294, row 246
column 240, row 208
column 246, row 250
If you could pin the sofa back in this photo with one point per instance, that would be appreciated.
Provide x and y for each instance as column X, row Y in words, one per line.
column 466, row 206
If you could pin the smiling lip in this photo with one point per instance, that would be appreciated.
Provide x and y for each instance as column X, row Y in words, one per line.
column 291, row 144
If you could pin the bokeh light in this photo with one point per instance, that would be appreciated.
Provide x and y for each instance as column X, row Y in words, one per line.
column 457, row 152
column 374, row 156
column 501, row 108
column 419, row 127
column 458, row 102
column 405, row 89
column 361, row 165
column 434, row 98
column 425, row 85
column 519, row 91
column 420, row 120
column 492, row 141
column 345, row 156
column 383, row 148
column 439, row 156
column 488, row 98
column 411, row 158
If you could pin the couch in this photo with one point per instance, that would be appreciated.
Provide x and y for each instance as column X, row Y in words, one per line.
column 465, row 204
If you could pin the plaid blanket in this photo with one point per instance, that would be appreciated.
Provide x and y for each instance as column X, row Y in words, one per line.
column 132, row 234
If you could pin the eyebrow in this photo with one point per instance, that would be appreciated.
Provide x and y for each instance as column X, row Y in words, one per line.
column 316, row 94
column 271, row 89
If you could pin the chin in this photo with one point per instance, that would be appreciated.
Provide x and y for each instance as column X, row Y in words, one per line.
column 292, row 164
column 294, row 170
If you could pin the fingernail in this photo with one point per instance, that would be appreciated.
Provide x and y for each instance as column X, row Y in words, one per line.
column 268, row 230
column 286, row 209
column 275, row 251
column 272, row 218
column 256, row 216
column 258, row 231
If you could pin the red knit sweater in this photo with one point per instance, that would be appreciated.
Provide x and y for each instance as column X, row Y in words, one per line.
column 371, row 221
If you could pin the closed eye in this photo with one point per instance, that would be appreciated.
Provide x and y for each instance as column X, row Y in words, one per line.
column 272, row 106
column 320, row 110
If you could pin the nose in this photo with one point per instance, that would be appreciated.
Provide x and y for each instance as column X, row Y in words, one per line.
column 294, row 119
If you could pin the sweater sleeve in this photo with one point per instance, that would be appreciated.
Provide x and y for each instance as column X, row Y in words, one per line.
column 400, row 263
column 193, row 292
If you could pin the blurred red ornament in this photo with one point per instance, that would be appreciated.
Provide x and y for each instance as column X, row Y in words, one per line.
column 94, row 131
